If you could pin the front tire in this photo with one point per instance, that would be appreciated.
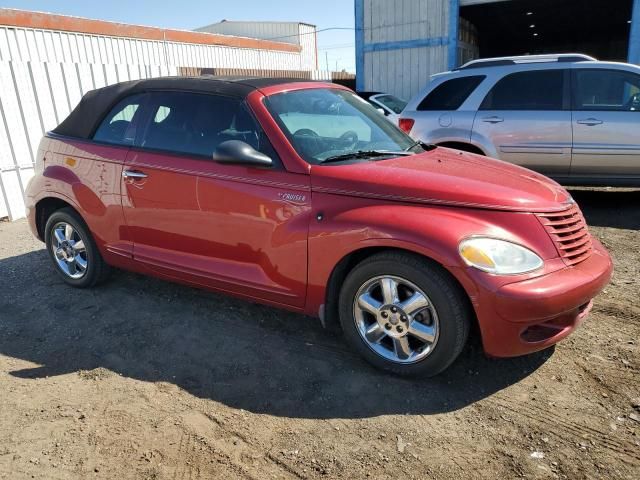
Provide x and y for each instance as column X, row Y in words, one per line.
column 404, row 314
column 73, row 251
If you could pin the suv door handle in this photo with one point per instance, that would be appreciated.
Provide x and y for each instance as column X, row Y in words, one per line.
column 134, row 174
column 590, row 121
column 493, row 119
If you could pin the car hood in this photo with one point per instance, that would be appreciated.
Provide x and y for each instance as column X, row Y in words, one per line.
column 444, row 176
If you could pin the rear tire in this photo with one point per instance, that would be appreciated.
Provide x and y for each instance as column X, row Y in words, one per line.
column 73, row 250
column 417, row 331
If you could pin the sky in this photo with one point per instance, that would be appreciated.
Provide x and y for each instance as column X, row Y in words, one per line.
column 336, row 47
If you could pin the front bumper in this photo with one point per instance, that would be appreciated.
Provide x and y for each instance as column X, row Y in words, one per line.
column 531, row 315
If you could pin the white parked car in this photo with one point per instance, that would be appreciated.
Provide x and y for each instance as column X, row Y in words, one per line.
column 389, row 105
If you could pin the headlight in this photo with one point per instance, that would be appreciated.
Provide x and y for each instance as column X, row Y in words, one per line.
column 498, row 256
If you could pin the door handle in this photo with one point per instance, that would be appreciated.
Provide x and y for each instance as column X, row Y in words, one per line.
column 134, row 174
column 590, row 121
column 493, row 119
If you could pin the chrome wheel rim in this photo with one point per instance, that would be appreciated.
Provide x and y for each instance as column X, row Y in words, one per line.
column 69, row 250
column 396, row 319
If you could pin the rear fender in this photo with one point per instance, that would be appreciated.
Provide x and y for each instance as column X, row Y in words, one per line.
column 60, row 182
column 88, row 177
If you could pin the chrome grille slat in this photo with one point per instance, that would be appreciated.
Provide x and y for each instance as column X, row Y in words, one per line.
column 569, row 232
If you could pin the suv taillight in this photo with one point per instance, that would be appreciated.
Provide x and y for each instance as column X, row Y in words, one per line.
column 406, row 124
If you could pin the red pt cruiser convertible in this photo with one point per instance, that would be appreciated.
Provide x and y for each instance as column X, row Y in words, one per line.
column 302, row 196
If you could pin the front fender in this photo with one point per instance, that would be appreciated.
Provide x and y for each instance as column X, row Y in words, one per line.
column 350, row 224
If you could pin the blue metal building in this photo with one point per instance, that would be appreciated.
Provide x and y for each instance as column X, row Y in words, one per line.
column 400, row 43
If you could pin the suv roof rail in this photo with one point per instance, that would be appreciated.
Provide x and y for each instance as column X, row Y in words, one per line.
column 502, row 61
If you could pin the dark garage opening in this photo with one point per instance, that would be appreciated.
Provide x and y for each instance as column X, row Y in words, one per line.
column 518, row 27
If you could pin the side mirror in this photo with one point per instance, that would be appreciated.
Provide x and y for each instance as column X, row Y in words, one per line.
column 240, row 153
column 382, row 111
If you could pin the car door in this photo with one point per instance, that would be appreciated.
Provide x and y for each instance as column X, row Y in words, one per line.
column 526, row 119
column 230, row 227
column 606, row 123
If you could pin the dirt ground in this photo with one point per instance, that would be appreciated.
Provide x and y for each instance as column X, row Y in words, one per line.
column 145, row 379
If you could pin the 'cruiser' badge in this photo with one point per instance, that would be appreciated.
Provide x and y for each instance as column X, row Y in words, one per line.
column 292, row 197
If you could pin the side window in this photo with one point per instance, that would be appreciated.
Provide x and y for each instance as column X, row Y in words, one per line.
column 533, row 90
column 612, row 90
column 118, row 126
column 195, row 123
column 450, row 94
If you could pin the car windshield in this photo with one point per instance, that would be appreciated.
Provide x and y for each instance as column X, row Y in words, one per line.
column 326, row 123
column 394, row 104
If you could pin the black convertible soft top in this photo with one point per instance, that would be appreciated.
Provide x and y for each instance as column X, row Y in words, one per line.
column 94, row 105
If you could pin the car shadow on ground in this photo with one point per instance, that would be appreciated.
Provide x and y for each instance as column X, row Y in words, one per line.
column 244, row 355
column 618, row 208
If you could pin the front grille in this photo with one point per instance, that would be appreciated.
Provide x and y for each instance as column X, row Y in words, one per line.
column 568, row 230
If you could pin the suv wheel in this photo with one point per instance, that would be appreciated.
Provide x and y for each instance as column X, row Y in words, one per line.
column 73, row 250
column 404, row 314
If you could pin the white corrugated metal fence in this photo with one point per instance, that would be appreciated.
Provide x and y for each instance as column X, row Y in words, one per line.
column 44, row 73
column 34, row 98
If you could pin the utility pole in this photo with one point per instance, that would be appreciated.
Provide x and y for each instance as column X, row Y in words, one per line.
column 326, row 59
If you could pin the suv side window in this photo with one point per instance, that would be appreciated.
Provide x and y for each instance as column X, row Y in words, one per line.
column 196, row 123
column 449, row 95
column 531, row 90
column 118, row 126
column 607, row 90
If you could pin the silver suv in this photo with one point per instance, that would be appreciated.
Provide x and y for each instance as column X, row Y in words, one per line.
column 567, row 116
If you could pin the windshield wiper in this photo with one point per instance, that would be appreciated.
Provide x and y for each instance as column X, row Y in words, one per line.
column 425, row 146
column 365, row 154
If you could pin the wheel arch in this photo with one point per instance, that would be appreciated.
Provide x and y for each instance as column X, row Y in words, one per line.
column 353, row 258
column 464, row 146
column 45, row 207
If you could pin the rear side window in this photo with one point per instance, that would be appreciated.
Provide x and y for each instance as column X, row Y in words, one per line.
column 451, row 94
column 609, row 90
column 118, row 126
column 195, row 123
column 538, row 90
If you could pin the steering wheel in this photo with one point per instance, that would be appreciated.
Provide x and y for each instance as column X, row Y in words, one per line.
column 348, row 139
column 305, row 132
column 307, row 140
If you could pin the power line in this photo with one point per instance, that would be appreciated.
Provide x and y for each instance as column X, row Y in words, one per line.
column 310, row 33
column 337, row 46
column 380, row 27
